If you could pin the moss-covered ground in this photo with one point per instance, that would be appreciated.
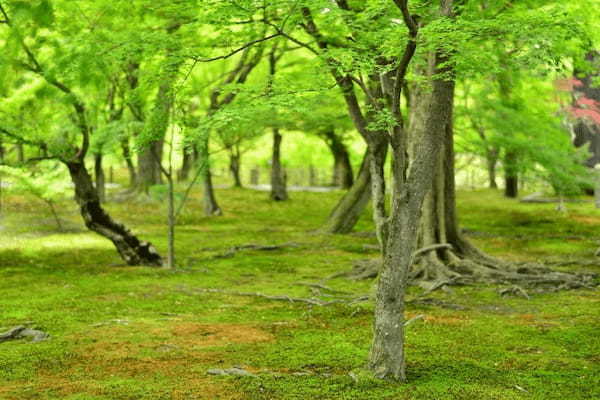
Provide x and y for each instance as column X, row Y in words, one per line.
column 123, row 332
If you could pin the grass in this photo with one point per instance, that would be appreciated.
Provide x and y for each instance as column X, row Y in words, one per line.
column 137, row 333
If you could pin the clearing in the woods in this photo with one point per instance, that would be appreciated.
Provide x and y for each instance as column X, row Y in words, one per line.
column 120, row 332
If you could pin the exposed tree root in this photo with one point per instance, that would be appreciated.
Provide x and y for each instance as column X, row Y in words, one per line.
column 256, row 247
column 439, row 265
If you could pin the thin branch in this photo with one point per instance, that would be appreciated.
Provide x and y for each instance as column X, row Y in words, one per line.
column 234, row 52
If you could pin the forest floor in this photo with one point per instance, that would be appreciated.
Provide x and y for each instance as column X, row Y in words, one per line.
column 121, row 332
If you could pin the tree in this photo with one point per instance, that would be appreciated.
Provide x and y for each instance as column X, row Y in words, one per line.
column 131, row 249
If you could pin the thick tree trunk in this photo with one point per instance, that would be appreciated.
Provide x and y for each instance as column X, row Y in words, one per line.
column 99, row 177
column 399, row 232
column 132, row 250
column 511, row 179
column 278, row 181
column 342, row 169
column 190, row 157
column 129, row 162
column 348, row 210
column 148, row 166
column 235, row 166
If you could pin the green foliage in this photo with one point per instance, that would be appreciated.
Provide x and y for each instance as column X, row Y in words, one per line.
column 46, row 181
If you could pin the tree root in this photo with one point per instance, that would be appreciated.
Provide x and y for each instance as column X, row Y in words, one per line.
column 245, row 247
column 440, row 265
column 20, row 332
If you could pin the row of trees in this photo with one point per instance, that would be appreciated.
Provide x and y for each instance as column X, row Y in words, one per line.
column 82, row 80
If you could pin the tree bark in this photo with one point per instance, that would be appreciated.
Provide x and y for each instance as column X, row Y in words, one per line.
column 211, row 207
column 399, row 231
column 190, row 157
column 129, row 162
column 99, row 177
column 342, row 169
column 278, row 181
column 132, row 250
column 20, row 153
column 235, row 166
column 348, row 210
column 511, row 177
column 491, row 161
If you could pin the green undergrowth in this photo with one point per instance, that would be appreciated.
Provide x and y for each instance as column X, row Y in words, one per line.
column 123, row 332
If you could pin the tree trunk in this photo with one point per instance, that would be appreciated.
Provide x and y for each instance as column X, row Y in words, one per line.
column 348, row 210
column 148, row 166
column 398, row 233
column 235, row 166
column 342, row 169
column 128, row 160
column 491, row 161
column 511, row 179
column 190, row 157
column 278, row 184
column 20, row 153
column 132, row 250
column 211, row 207
column 99, row 177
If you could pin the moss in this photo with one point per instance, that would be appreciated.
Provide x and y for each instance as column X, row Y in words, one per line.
column 138, row 333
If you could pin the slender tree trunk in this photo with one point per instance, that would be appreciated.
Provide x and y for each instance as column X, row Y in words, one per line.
column 20, row 153
column 132, row 250
column 511, row 180
column 171, row 221
column 99, row 177
column 235, row 166
column 129, row 162
column 342, row 169
column 278, row 184
column 211, row 207
column 491, row 161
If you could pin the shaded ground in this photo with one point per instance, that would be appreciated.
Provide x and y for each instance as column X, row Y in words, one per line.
column 137, row 333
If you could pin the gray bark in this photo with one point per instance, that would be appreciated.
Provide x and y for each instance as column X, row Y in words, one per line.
column 348, row 210
column 342, row 169
column 400, row 230
column 278, row 181
column 99, row 177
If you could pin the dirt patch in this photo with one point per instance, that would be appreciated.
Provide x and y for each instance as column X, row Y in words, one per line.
column 584, row 219
column 217, row 334
column 442, row 319
column 176, row 352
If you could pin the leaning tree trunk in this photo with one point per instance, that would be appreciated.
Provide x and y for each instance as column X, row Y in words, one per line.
column 342, row 168
column 278, row 184
column 511, row 177
column 99, row 177
column 348, row 210
column 132, row 250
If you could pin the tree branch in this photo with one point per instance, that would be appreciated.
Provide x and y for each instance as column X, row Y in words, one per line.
column 239, row 49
